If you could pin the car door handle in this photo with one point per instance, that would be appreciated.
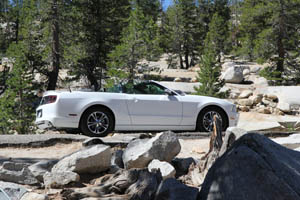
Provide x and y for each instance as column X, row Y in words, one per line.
column 135, row 100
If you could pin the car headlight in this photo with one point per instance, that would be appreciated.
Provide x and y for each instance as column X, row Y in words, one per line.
column 233, row 109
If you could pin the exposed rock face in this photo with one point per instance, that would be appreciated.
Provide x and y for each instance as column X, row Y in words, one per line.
column 14, row 191
column 140, row 152
column 166, row 169
column 171, row 189
column 233, row 75
column 254, row 168
column 59, row 179
column 90, row 160
column 17, row 173
column 40, row 168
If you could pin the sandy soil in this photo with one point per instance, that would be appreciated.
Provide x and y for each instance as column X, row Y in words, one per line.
column 52, row 152
column 189, row 148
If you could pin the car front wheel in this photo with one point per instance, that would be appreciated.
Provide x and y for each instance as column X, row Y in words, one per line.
column 205, row 119
column 97, row 122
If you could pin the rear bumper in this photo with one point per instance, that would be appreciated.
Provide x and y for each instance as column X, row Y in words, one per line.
column 44, row 124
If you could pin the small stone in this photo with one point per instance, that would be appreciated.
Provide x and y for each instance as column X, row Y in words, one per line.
column 245, row 102
column 245, row 94
column 166, row 169
column 177, row 79
column 246, row 72
column 273, row 97
column 264, row 110
column 284, row 107
column 34, row 196
column 244, row 108
column 92, row 141
column 256, row 99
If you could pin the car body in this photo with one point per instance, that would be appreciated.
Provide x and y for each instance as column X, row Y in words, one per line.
column 145, row 106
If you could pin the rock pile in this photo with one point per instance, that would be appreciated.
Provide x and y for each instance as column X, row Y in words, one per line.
column 262, row 103
column 238, row 165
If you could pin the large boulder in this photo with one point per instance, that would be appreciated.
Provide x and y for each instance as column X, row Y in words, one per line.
column 233, row 75
column 254, row 168
column 232, row 134
column 165, row 168
column 40, row 168
column 17, row 173
column 89, row 160
column 12, row 190
column 140, row 152
column 172, row 189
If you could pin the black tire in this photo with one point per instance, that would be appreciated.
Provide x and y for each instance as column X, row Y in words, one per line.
column 100, row 120
column 204, row 120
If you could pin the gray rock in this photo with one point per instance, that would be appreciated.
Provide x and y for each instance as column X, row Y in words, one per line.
column 232, row 134
column 12, row 190
column 172, row 189
column 246, row 72
column 34, row 196
column 284, row 107
column 245, row 94
column 255, row 69
column 89, row 160
column 166, row 169
column 182, row 165
column 254, row 168
column 233, row 75
column 91, row 142
column 139, row 153
column 264, row 110
column 40, row 168
column 60, row 179
column 17, row 173
column 245, row 102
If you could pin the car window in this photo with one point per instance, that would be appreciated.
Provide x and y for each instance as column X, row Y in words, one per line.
column 144, row 88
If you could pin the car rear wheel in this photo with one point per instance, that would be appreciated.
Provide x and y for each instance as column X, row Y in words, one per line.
column 97, row 122
column 205, row 119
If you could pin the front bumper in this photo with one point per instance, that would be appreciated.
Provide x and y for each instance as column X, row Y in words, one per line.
column 234, row 119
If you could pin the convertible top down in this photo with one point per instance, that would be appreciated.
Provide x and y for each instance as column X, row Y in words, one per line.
column 144, row 106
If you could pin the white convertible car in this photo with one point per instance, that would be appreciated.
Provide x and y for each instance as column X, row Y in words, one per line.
column 144, row 106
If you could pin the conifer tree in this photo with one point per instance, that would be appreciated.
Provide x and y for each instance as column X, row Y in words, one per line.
column 139, row 41
column 271, row 32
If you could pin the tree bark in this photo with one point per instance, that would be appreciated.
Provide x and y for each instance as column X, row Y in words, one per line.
column 53, row 74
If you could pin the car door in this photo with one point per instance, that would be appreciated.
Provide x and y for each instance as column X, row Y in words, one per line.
column 149, row 105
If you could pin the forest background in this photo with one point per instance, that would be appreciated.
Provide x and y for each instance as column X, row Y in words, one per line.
column 105, row 41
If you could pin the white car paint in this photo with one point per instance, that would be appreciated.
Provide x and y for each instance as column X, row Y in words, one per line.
column 131, row 111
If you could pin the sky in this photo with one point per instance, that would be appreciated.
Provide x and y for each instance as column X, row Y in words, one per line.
column 167, row 3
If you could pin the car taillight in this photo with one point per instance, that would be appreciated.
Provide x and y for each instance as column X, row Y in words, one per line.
column 48, row 99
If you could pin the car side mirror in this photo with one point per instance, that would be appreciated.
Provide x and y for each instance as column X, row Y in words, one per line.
column 168, row 92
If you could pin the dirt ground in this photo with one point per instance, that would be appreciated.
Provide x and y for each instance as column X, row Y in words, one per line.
column 189, row 148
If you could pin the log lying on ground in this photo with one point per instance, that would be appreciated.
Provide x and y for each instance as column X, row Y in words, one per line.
column 134, row 184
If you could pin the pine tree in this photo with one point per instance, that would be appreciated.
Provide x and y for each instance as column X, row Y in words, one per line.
column 182, row 32
column 101, row 23
column 271, row 29
column 139, row 41
column 209, row 75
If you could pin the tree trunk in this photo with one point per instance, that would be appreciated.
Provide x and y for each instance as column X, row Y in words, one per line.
column 280, row 46
column 53, row 74
column 187, row 64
